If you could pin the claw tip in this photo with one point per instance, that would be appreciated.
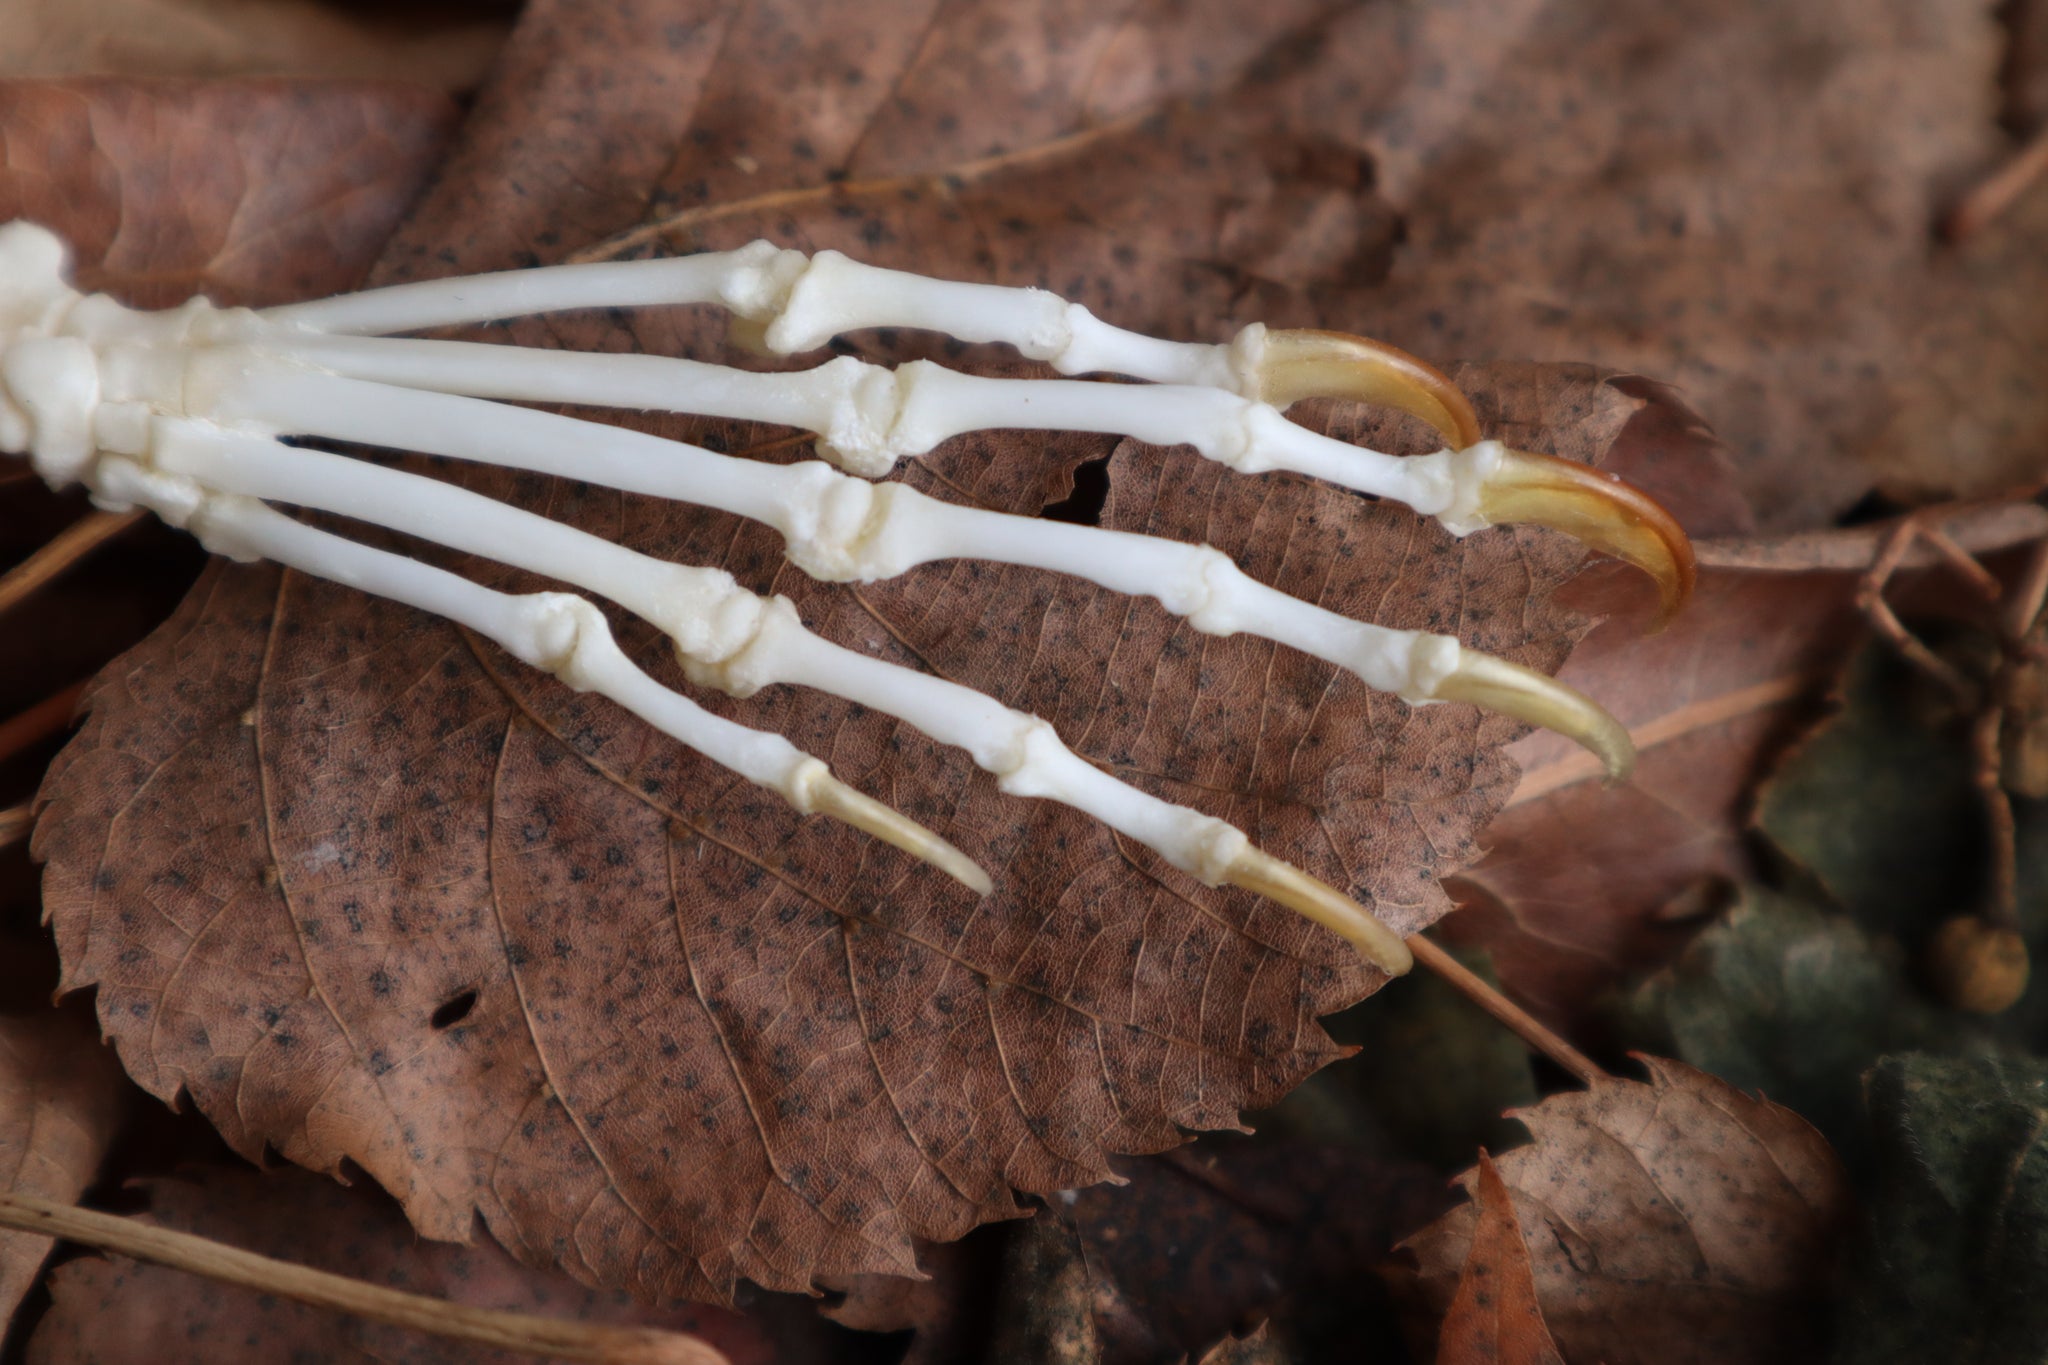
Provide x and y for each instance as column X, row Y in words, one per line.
column 1303, row 363
column 1287, row 885
column 1528, row 695
column 829, row 796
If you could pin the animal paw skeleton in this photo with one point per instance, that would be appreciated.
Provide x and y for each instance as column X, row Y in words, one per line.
column 183, row 411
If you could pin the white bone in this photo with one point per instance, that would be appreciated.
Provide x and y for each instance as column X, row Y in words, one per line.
column 752, row 281
column 552, row 631
column 805, row 302
column 867, row 417
column 728, row 637
column 836, row 527
column 556, row 632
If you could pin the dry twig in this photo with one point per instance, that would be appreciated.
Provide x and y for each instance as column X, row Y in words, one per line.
column 70, row 545
column 526, row 1332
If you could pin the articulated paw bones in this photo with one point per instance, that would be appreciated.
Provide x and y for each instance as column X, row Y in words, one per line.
column 181, row 412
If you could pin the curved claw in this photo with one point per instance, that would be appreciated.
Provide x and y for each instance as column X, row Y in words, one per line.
column 1528, row 695
column 1599, row 509
column 1302, row 363
column 1288, row 885
column 830, row 796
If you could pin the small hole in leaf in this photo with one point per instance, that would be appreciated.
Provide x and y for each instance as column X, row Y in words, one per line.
column 1872, row 506
column 453, row 1010
column 1083, row 506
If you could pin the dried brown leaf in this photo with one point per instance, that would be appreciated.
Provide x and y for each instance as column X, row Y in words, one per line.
column 683, row 1001
column 247, row 191
column 1675, row 1221
column 445, row 46
column 383, row 895
column 1585, row 885
column 1735, row 198
column 111, row 1310
column 60, row 1093
column 1494, row 1318
column 1968, row 416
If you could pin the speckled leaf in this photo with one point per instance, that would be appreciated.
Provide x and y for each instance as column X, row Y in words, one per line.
column 366, row 889
column 1673, row 1221
column 1736, row 198
column 1494, row 1318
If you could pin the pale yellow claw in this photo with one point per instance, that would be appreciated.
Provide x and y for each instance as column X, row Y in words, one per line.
column 829, row 796
column 1528, row 695
column 1600, row 510
column 1287, row 885
column 1302, row 363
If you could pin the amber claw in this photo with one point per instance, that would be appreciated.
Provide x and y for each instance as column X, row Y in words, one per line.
column 1600, row 510
column 1300, row 364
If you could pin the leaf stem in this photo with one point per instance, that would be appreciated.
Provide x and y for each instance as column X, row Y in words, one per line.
column 1580, row 766
column 1977, row 526
column 70, row 545
column 525, row 1332
column 1523, row 1024
column 944, row 182
column 1998, row 191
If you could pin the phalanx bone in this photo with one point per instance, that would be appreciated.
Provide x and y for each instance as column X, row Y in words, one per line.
column 182, row 412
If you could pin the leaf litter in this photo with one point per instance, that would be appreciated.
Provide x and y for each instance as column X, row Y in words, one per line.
column 60, row 1103
column 1494, row 1315
column 1676, row 1219
column 1268, row 178
column 698, row 1040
